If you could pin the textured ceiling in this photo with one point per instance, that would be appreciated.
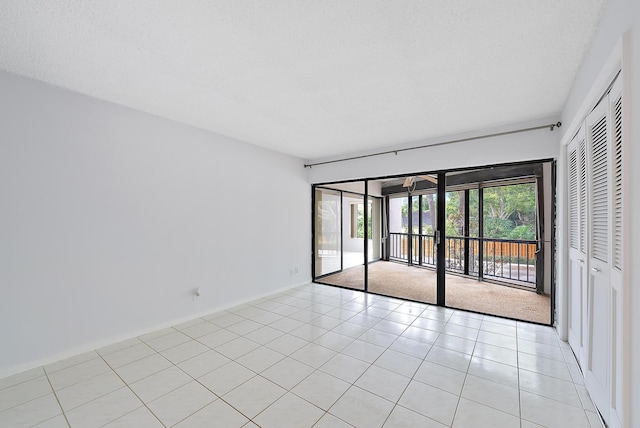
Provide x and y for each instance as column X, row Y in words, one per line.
column 309, row 78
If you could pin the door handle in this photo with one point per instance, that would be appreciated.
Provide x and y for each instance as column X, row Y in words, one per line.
column 595, row 269
column 581, row 260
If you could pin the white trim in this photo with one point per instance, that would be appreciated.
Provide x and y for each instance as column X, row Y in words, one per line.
column 627, row 261
column 562, row 247
column 619, row 59
column 610, row 68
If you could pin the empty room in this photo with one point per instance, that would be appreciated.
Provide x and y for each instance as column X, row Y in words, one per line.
column 319, row 214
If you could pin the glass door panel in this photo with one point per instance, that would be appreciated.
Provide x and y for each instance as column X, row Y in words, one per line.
column 375, row 229
column 353, row 238
column 490, row 245
column 398, row 229
column 328, row 239
column 427, row 231
column 409, row 272
column 340, row 235
column 469, row 239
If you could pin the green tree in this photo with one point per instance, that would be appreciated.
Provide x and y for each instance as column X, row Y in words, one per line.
column 428, row 205
column 429, row 201
column 454, row 223
column 360, row 232
column 510, row 211
column 496, row 227
column 524, row 231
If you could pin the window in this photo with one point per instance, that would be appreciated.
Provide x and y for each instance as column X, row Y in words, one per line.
column 357, row 221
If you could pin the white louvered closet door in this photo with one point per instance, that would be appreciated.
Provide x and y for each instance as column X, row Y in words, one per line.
column 596, row 198
column 577, row 191
column 598, row 364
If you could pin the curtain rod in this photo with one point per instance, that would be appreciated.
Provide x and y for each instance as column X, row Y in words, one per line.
column 461, row 140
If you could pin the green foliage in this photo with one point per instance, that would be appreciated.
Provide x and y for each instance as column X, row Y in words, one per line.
column 517, row 202
column 360, row 230
column 524, row 231
column 473, row 213
column 454, row 223
column 495, row 227
column 428, row 205
column 509, row 212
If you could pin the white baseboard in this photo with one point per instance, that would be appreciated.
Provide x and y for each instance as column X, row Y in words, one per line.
column 92, row 346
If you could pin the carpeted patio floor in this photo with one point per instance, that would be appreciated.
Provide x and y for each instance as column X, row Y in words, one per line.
column 419, row 284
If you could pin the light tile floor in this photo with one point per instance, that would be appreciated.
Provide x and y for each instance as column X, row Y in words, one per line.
column 314, row 356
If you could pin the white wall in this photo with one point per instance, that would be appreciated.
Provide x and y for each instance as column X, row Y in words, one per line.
column 110, row 217
column 540, row 144
column 355, row 187
column 621, row 19
column 395, row 215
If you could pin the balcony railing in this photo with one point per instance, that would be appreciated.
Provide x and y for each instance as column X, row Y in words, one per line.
column 512, row 260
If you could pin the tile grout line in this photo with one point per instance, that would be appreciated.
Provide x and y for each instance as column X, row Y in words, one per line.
column 302, row 380
column 464, row 382
column 144, row 404
column 179, row 368
column 317, row 299
column 353, row 384
column 64, row 414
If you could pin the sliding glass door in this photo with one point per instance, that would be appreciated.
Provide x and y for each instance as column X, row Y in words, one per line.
column 409, row 245
column 328, row 232
column 354, row 220
column 470, row 239
column 492, row 243
column 348, row 233
column 374, row 225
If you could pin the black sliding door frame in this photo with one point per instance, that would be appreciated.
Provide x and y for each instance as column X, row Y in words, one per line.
column 483, row 174
column 441, row 239
column 366, row 198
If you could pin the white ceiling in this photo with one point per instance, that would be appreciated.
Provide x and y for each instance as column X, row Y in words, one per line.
column 309, row 78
